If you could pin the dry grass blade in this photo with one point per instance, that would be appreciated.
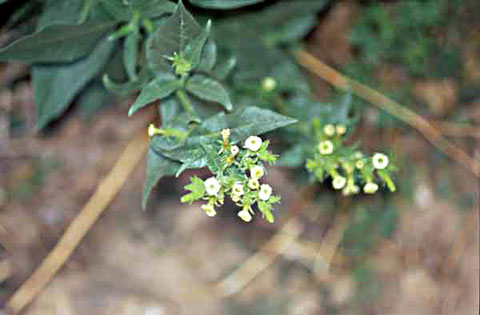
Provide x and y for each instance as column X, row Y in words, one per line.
column 416, row 121
column 75, row 232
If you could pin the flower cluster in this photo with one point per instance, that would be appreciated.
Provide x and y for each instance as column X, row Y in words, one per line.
column 238, row 175
column 350, row 170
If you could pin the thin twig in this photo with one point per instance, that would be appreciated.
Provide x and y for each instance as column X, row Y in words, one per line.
column 265, row 256
column 457, row 129
column 79, row 227
column 416, row 121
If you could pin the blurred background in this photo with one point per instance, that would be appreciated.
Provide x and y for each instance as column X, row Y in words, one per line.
column 412, row 252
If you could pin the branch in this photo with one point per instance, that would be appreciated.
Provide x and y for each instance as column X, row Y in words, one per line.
column 408, row 116
column 79, row 227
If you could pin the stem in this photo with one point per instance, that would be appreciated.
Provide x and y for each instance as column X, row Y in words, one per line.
column 185, row 101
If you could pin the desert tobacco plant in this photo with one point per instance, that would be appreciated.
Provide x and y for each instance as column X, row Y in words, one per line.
column 349, row 168
column 238, row 173
column 217, row 81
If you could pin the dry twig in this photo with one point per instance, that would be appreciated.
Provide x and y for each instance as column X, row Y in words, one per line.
column 79, row 227
column 408, row 116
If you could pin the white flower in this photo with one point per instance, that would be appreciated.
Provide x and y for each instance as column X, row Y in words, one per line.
column 350, row 190
column 325, row 147
column 235, row 198
column 329, row 130
column 245, row 215
column 370, row 188
column 212, row 186
column 256, row 172
column 341, row 129
column 265, row 192
column 360, row 164
column 253, row 184
column 380, row 161
column 338, row 182
column 225, row 134
column 253, row 143
column 269, row 84
column 234, row 150
column 358, row 155
column 237, row 189
column 209, row 209
column 152, row 130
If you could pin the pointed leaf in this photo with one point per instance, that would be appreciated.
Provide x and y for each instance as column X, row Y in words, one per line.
column 159, row 88
column 55, row 86
column 158, row 166
column 57, row 43
column 121, row 11
column 171, row 37
column 224, row 4
column 209, row 90
column 130, row 54
column 193, row 50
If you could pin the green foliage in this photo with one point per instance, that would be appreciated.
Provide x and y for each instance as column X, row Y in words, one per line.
column 404, row 33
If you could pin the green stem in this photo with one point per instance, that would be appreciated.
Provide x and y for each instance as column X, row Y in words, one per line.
column 185, row 101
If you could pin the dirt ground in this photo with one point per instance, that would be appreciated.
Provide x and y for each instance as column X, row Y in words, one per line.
column 168, row 259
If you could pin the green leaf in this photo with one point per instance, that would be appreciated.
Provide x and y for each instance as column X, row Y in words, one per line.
column 224, row 4
column 55, row 86
column 158, row 166
column 208, row 58
column 159, row 88
column 57, row 43
column 212, row 159
column 242, row 124
column 193, row 50
column 222, row 70
column 171, row 37
column 209, row 90
column 94, row 97
column 125, row 88
column 197, row 188
column 60, row 12
column 123, row 10
column 130, row 54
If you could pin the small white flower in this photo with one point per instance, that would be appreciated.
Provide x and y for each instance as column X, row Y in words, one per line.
column 370, row 188
column 380, row 161
column 269, row 84
column 338, row 182
column 265, row 192
column 212, row 186
column 152, row 130
column 350, row 190
column 325, row 147
column 245, row 215
column 256, row 172
column 253, row 143
column 209, row 209
column 329, row 130
column 237, row 189
column 360, row 164
column 236, row 198
column 341, row 129
column 234, row 150
column 358, row 155
column 225, row 134
column 253, row 184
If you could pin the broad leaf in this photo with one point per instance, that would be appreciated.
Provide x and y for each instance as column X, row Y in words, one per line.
column 92, row 98
column 159, row 88
column 171, row 37
column 242, row 124
column 57, row 43
column 224, row 4
column 209, row 90
column 158, row 166
column 193, row 50
column 60, row 12
column 124, row 11
column 55, row 86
